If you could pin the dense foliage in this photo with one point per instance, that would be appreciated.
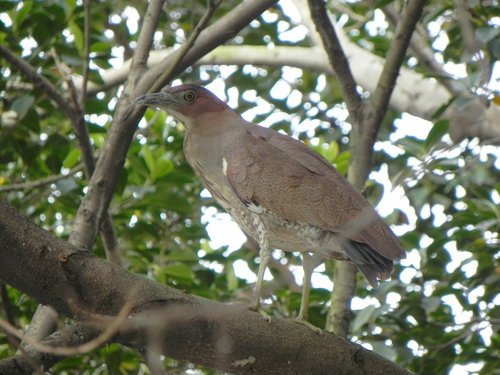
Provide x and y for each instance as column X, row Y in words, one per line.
column 439, row 313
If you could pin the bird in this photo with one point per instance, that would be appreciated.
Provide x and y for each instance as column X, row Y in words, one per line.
column 281, row 192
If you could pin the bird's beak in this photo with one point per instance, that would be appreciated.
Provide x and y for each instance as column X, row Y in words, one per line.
column 155, row 99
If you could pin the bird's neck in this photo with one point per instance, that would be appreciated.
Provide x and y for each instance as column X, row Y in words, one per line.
column 213, row 123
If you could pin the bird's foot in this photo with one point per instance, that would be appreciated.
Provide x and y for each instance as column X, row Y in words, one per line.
column 258, row 308
column 302, row 321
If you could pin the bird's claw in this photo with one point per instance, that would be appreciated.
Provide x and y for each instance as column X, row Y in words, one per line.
column 304, row 322
column 261, row 311
column 265, row 315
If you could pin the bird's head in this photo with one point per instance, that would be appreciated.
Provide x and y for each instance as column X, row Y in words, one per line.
column 190, row 104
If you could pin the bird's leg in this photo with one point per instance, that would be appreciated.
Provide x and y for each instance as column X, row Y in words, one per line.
column 309, row 263
column 264, row 254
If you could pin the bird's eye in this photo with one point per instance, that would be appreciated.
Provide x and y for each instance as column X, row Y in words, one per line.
column 189, row 96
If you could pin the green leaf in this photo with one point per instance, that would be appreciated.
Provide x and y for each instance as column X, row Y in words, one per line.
column 182, row 256
column 385, row 351
column 430, row 304
column 342, row 162
column 77, row 33
column 231, row 279
column 72, row 158
column 7, row 5
column 162, row 168
column 331, row 151
column 362, row 317
column 149, row 158
column 22, row 13
column 22, row 104
column 485, row 34
column 179, row 271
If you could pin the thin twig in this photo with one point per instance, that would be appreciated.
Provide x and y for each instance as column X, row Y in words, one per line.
column 86, row 54
column 167, row 75
column 145, row 40
column 337, row 57
column 29, row 185
column 112, row 327
column 470, row 327
column 38, row 80
column 424, row 54
column 78, row 121
column 7, row 306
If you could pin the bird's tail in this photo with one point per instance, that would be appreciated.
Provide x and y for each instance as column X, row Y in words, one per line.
column 372, row 264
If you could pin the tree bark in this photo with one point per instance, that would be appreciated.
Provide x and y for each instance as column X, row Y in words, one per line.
column 222, row 336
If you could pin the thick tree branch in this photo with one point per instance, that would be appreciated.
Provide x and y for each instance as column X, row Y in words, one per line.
column 222, row 336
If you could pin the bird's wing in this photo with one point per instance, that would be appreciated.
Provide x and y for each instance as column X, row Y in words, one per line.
column 299, row 185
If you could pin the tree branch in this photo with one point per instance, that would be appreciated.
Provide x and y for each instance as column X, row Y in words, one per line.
column 340, row 314
column 29, row 185
column 379, row 102
column 424, row 54
column 86, row 54
column 69, row 336
column 148, row 29
column 366, row 123
column 42, row 324
column 38, row 80
column 344, row 282
column 216, row 34
column 338, row 59
column 222, row 336
column 414, row 93
column 168, row 74
column 87, row 221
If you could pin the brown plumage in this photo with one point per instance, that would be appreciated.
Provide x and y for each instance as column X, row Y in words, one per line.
column 280, row 192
